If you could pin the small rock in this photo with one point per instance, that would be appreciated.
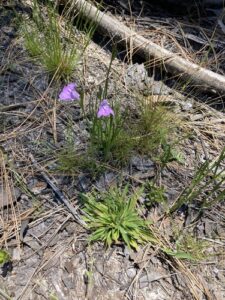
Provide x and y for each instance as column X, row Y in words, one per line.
column 137, row 77
column 106, row 180
column 131, row 272
column 37, row 186
column 83, row 183
column 156, row 294
column 69, row 281
column 150, row 277
column 220, row 231
column 6, row 268
column 69, row 266
column 33, row 244
column 71, row 228
column 140, row 175
column 159, row 88
column 54, row 241
column 186, row 106
column 99, row 265
column 16, row 254
column 141, row 163
column 143, row 282
column 155, row 261
column 10, row 31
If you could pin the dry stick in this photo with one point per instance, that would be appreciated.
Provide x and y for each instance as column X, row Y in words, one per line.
column 4, row 295
column 58, row 193
column 204, row 79
column 15, row 106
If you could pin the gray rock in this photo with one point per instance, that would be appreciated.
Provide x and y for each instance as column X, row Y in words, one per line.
column 186, row 106
column 69, row 281
column 131, row 272
column 106, row 180
column 137, row 78
column 148, row 278
column 141, row 163
column 159, row 88
column 83, row 183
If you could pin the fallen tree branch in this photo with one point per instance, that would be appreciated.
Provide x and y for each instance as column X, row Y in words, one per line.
column 194, row 74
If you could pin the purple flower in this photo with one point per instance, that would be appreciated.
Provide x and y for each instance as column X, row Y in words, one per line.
column 69, row 93
column 104, row 109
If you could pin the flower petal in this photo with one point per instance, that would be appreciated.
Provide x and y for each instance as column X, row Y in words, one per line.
column 105, row 110
column 75, row 95
column 69, row 93
column 71, row 85
column 65, row 95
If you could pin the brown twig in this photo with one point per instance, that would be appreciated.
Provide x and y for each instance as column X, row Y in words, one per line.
column 58, row 193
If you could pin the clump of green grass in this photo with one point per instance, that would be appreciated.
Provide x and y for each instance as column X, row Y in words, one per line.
column 68, row 161
column 4, row 256
column 71, row 163
column 154, row 125
column 109, row 140
column 104, row 130
column 113, row 217
column 189, row 244
column 207, row 186
column 52, row 39
column 115, row 135
column 170, row 153
column 155, row 194
column 123, row 148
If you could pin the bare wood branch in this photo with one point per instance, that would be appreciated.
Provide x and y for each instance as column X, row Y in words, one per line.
column 194, row 74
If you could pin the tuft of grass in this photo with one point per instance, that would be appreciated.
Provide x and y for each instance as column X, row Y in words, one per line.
column 107, row 135
column 71, row 163
column 4, row 256
column 207, row 185
column 68, row 161
column 169, row 154
column 123, row 148
column 112, row 217
column 191, row 245
column 154, row 126
column 155, row 194
column 53, row 41
column 187, row 246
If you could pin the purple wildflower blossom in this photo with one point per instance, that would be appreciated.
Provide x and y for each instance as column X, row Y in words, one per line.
column 104, row 109
column 69, row 93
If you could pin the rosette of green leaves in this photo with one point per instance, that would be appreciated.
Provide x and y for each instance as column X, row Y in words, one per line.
column 113, row 217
